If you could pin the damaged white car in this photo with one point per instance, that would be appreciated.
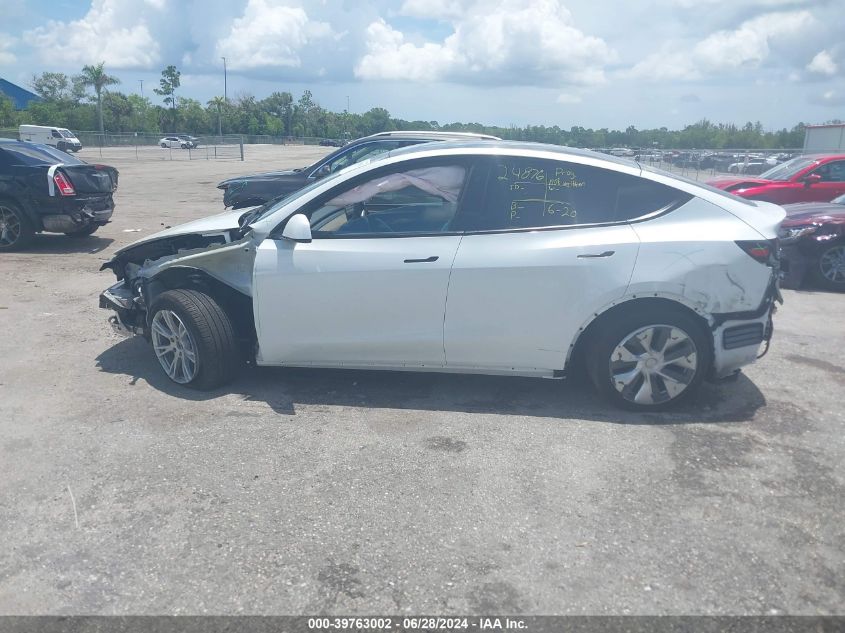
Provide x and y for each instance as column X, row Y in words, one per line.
column 491, row 258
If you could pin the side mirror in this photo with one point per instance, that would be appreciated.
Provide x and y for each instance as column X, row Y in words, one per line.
column 298, row 229
column 812, row 179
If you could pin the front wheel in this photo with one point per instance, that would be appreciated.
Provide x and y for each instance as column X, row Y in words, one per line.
column 829, row 271
column 649, row 359
column 193, row 339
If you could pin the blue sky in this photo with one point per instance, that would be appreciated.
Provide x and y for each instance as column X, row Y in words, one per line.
column 647, row 63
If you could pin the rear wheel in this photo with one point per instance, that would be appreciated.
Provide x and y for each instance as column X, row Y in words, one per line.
column 164, row 145
column 85, row 231
column 649, row 359
column 829, row 271
column 16, row 231
column 193, row 339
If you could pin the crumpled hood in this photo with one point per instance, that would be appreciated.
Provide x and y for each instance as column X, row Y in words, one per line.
column 212, row 224
column 814, row 212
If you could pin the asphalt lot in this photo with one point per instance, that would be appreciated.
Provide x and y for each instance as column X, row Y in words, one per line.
column 305, row 491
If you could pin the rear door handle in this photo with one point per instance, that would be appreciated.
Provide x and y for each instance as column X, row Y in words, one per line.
column 427, row 260
column 593, row 255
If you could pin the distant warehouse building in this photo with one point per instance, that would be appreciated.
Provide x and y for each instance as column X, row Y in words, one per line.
column 824, row 138
column 21, row 97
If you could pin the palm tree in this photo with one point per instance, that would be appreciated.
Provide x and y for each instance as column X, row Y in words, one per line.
column 95, row 77
column 219, row 102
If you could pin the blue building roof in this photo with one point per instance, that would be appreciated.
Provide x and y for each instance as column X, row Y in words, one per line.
column 20, row 97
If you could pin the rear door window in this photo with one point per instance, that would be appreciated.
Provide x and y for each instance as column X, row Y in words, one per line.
column 524, row 193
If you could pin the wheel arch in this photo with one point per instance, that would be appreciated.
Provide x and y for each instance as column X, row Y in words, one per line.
column 593, row 325
column 31, row 215
column 237, row 305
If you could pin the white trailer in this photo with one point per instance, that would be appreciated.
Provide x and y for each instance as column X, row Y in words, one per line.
column 824, row 138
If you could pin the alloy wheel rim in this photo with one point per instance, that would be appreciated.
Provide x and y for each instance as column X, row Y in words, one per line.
column 174, row 346
column 832, row 264
column 10, row 227
column 654, row 364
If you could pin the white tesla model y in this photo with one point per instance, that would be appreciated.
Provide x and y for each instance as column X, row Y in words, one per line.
column 473, row 257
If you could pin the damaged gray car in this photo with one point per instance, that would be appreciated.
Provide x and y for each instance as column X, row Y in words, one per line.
column 471, row 257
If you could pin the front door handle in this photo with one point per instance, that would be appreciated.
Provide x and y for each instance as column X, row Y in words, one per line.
column 427, row 260
column 593, row 255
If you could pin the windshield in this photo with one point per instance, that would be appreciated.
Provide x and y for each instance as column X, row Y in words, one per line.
column 788, row 169
column 839, row 200
column 269, row 207
column 66, row 133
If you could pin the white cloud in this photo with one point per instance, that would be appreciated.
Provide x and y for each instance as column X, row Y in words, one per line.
column 823, row 64
column 493, row 42
column 747, row 46
column 439, row 9
column 7, row 57
column 567, row 98
column 270, row 34
column 113, row 31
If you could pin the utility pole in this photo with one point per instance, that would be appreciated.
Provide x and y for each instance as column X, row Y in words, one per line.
column 225, row 92
column 141, row 81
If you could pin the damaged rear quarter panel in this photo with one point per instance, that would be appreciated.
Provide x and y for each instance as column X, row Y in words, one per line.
column 684, row 254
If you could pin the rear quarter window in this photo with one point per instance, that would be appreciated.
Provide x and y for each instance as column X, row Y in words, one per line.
column 530, row 193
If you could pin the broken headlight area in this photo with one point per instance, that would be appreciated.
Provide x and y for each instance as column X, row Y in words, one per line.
column 128, row 261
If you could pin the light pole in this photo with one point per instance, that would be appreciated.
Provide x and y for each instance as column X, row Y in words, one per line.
column 225, row 93
column 141, row 81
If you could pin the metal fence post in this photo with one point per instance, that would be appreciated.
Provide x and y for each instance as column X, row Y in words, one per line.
column 242, row 148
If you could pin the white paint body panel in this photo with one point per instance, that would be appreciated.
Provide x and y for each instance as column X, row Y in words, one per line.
column 352, row 301
column 685, row 255
column 516, row 300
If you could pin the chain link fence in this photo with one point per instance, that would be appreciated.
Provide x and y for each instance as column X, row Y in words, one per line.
column 154, row 146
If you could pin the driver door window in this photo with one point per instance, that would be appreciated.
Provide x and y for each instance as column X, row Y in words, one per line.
column 832, row 172
column 415, row 202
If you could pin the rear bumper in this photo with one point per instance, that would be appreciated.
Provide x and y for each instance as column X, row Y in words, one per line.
column 737, row 337
column 72, row 215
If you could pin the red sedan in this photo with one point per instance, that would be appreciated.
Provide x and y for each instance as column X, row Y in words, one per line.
column 810, row 178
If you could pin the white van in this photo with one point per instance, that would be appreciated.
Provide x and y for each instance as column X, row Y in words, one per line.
column 58, row 137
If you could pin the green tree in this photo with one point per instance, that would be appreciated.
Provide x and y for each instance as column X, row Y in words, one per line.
column 7, row 111
column 218, row 103
column 52, row 86
column 118, row 109
column 95, row 77
column 170, row 80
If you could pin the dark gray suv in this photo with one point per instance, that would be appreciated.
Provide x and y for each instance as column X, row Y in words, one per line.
column 249, row 191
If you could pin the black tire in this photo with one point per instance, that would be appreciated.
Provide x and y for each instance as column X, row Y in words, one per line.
column 183, row 146
column 823, row 264
column 18, row 231
column 164, row 145
column 85, row 231
column 218, row 358
column 612, row 333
